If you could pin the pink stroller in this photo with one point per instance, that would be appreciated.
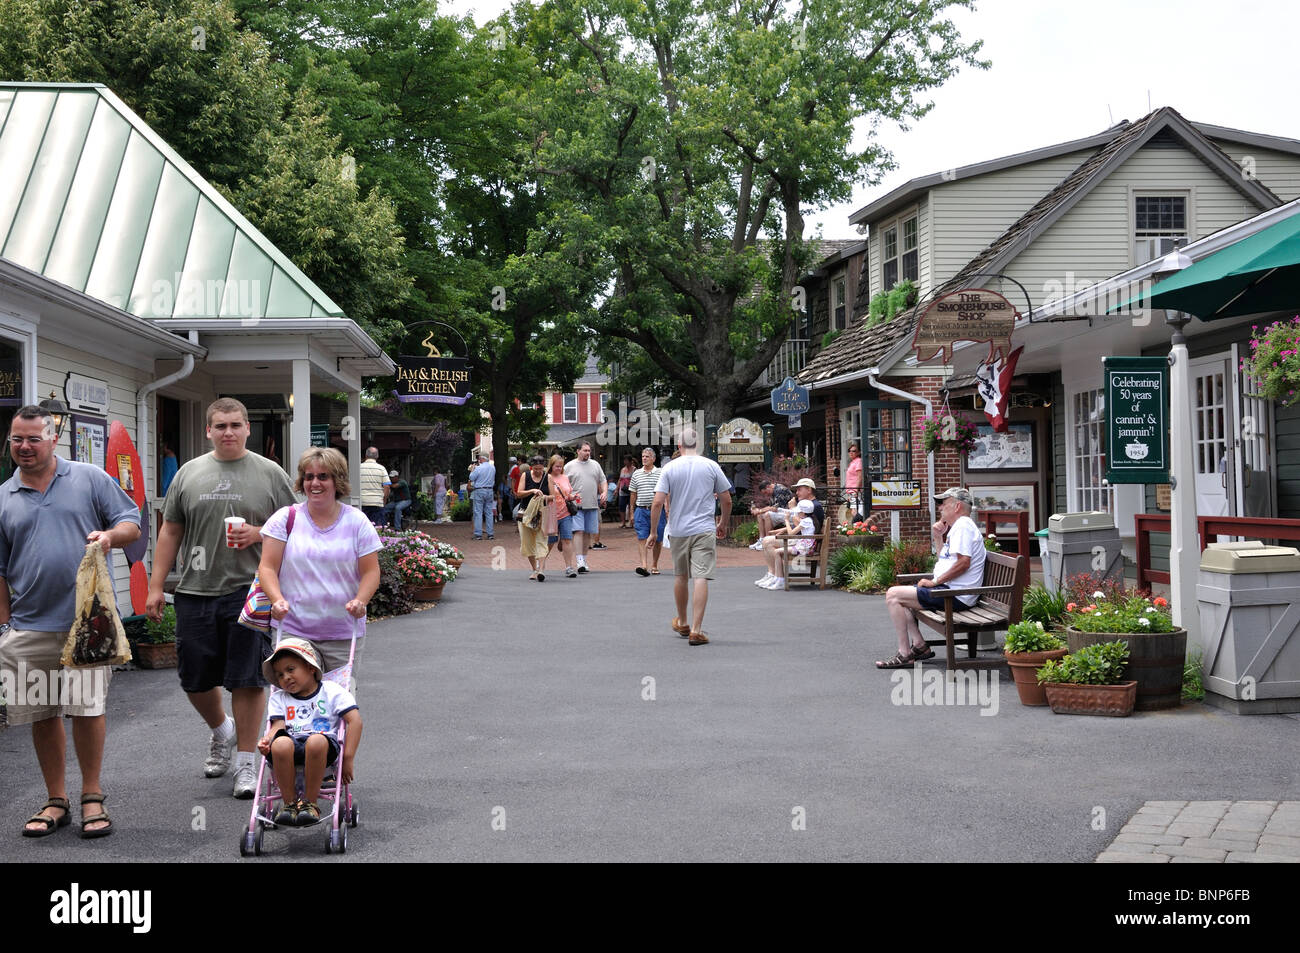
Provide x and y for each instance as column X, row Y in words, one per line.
column 343, row 814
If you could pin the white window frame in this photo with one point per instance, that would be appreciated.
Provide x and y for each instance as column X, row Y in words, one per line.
column 850, row 432
column 1091, row 495
column 839, row 311
column 1161, row 241
column 898, row 228
column 570, row 413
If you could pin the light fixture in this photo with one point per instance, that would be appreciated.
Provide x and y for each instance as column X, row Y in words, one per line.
column 291, row 401
column 58, row 413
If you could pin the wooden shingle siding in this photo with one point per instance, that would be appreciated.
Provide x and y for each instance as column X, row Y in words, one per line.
column 969, row 214
column 1095, row 236
column 1279, row 171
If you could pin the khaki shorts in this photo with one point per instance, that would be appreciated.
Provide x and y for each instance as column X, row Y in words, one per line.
column 35, row 684
column 695, row 557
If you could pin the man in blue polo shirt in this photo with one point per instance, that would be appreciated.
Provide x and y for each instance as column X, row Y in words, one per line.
column 482, row 490
column 49, row 510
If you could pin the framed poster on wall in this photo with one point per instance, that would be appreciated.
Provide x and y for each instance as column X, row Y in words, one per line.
column 1013, row 450
column 1019, row 496
column 89, row 440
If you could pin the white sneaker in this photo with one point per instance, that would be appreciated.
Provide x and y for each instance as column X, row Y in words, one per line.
column 767, row 577
column 245, row 781
column 778, row 582
column 218, row 762
column 758, row 546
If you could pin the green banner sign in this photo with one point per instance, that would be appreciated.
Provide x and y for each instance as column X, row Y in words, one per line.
column 320, row 435
column 1137, row 411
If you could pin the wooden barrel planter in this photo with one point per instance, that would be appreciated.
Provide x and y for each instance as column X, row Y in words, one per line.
column 1155, row 662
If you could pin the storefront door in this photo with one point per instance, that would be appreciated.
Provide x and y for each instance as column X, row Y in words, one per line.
column 1212, row 423
column 1256, row 488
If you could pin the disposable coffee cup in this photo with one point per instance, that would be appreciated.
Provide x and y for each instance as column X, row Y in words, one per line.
column 233, row 523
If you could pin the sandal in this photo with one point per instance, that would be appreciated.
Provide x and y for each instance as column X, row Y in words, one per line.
column 87, row 832
column 308, row 813
column 52, row 824
column 698, row 638
column 922, row 652
column 681, row 629
column 901, row 660
column 642, row 571
column 654, row 572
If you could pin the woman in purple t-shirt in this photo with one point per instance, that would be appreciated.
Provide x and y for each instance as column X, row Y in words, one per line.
column 321, row 572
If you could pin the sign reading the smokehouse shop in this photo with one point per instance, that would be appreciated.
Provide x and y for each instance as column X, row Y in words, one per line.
column 432, row 380
column 1137, row 408
column 971, row 314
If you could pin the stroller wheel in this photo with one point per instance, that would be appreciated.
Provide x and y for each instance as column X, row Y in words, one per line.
column 246, row 844
column 257, row 839
column 336, row 844
column 354, row 815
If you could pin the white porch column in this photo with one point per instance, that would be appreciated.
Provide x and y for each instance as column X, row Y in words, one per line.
column 352, row 434
column 1184, row 549
column 300, row 427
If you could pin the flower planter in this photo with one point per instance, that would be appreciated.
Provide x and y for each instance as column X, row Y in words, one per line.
column 1155, row 661
column 865, row 540
column 155, row 654
column 1115, row 701
column 428, row 593
column 1024, row 668
column 454, row 563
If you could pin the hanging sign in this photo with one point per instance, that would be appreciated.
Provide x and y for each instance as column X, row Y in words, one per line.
column 86, row 393
column 790, row 398
column 320, row 435
column 1137, row 411
column 742, row 441
column 971, row 314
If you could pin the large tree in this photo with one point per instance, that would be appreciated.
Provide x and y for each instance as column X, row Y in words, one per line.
column 696, row 134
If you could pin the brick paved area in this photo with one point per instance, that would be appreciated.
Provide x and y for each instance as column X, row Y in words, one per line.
column 1208, row 832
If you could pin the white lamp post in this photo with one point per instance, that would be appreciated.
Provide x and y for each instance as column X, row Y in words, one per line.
column 1184, row 551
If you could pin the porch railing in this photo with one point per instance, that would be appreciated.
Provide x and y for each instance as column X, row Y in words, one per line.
column 1207, row 527
column 789, row 361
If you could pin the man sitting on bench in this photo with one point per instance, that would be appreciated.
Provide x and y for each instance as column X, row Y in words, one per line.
column 960, row 566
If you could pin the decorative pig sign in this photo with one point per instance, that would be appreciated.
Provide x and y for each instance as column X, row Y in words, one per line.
column 970, row 314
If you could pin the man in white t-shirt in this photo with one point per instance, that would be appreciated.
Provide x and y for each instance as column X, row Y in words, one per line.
column 588, row 482
column 960, row 546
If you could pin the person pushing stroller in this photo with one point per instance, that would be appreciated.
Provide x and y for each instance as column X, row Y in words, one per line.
column 304, row 717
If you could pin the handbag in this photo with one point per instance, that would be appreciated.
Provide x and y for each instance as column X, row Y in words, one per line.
column 256, row 614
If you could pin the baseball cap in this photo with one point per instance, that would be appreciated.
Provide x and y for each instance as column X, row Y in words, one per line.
column 807, row 482
column 806, row 506
column 299, row 647
column 392, row 473
column 959, row 493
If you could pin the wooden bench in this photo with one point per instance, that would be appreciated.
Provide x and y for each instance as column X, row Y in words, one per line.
column 813, row 565
column 999, row 606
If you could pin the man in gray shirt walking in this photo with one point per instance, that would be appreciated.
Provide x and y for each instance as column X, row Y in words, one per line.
column 689, row 486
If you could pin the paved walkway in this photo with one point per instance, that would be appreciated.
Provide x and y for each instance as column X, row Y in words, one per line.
column 564, row 721
column 1207, row 832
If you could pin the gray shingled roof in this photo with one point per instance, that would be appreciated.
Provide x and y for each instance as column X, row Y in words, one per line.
column 860, row 347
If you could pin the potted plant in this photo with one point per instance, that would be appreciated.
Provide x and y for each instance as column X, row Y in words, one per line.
column 863, row 533
column 948, row 430
column 1090, row 681
column 449, row 553
column 1028, row 646
column 1274, row 361
column 157, row 649
column 1157, row 647
column 425, row 573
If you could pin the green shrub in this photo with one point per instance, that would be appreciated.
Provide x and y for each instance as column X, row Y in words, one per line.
column 1032, row 637
column 1043, row 606
column 844, row 562
column 861, row 580
column 830, row 336
column 393, row 597
column 910, row 557
column 746, row 532
column 462, row 511
column 1101, row 664
column 1194, row 677
column 164, row 630
column 422, row 508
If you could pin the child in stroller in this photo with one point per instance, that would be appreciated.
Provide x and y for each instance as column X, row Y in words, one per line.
column 303, row 730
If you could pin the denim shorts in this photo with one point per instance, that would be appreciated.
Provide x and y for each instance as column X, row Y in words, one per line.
column 642, row 523
column 925, row 596
column 587, row 521
column 563, row 530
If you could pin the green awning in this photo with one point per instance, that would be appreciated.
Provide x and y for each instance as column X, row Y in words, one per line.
column 1256, row 275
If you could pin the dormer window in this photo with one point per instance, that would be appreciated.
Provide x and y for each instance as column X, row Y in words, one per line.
column 908, row 262
column 1158, row 222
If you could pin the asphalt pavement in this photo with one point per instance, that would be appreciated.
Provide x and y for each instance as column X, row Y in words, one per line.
column 518, row 721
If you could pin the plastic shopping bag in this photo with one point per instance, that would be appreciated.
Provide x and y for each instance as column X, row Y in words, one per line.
column 96, row 636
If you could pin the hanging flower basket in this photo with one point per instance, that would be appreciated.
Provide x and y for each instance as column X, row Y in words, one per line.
column 947, row 430
column 1274, row 361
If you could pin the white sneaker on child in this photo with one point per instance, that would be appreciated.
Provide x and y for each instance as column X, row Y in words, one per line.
column 778, row 582
column 768, row 577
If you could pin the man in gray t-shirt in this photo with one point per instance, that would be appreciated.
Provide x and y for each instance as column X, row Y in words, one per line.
column 690, row 486
column 218, row 564
column 588, row 482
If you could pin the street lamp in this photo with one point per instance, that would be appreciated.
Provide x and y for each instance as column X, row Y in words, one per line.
column 1184, row 551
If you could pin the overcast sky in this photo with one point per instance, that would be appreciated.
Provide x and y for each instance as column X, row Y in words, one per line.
column 1064, row 70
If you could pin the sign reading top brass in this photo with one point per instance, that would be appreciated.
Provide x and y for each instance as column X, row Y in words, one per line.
column 971, row 314
column 790, row 399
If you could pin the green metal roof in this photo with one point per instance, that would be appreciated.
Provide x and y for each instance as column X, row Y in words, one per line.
column 92, row 198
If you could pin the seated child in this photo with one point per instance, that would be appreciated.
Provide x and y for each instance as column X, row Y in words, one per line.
column 799, row 523
column 303, row 729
